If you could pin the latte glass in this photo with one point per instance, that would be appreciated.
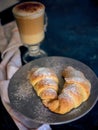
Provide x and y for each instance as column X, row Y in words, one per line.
column 30, row 18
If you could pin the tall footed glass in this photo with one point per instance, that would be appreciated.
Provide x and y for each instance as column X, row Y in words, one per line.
column 30, row 18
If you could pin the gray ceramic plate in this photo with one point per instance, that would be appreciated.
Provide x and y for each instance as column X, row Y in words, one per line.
column 24, row 99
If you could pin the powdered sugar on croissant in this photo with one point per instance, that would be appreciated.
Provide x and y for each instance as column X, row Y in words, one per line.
column 75, row 91
column 45, row 83
column 71, row 75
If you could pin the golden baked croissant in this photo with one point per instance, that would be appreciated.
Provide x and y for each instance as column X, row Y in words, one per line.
column 75, row 91
column 71, row 75
column 45, row 83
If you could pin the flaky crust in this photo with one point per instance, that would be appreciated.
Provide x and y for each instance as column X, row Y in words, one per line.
column 37, row 74
column 75, row 91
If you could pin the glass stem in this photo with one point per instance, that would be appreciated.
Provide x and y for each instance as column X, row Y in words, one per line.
column 34, row 50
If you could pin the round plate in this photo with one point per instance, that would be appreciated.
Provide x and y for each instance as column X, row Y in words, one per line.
column 24, row 99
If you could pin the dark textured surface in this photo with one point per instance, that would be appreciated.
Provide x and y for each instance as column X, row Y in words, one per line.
column 72, row 32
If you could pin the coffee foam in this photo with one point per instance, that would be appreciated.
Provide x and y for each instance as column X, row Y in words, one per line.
column 28, row 9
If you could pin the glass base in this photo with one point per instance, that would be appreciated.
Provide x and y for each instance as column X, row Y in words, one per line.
column 27, row 57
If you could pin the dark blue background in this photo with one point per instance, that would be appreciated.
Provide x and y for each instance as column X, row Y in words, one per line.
column 72, row 32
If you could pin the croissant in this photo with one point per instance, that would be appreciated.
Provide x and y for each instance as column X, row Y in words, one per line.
column 75, row 91
column 45, row 83
column 71, row 75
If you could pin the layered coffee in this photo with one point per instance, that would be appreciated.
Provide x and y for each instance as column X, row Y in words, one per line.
column 30, row 20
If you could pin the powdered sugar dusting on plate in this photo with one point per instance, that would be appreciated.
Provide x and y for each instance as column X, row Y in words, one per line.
column 24, row 92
